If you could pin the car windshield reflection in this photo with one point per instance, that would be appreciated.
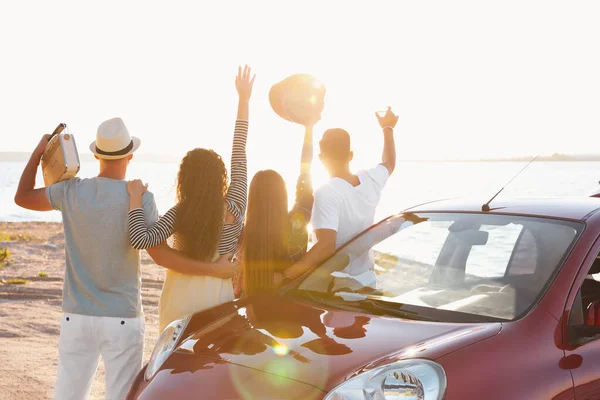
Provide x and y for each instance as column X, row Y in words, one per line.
column 486, row 265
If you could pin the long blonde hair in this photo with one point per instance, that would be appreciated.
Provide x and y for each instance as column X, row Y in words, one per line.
column 264, row 246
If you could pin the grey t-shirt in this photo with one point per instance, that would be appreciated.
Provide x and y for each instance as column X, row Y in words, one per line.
column 102, row 276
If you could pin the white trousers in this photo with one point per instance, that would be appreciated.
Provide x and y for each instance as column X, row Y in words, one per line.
column 83, row 339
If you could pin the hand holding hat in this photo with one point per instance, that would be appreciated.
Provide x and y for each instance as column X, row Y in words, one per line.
column 299, row 98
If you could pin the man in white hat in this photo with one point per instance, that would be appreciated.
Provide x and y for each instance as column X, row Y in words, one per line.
column 102, row 301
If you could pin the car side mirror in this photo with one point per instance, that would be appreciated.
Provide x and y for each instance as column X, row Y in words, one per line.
column 591, row 324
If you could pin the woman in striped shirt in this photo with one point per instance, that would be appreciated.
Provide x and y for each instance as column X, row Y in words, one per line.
column 206, row 221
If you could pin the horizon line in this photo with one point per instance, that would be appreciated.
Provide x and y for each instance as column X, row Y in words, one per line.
column 17, row 156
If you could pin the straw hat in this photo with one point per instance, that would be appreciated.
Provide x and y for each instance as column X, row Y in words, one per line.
column 298, row 98
column 113, row 140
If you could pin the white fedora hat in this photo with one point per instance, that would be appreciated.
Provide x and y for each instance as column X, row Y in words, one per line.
column 113, row 140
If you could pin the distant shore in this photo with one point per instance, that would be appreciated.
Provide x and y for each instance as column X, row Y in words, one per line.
column 18, row 156
column 554, row 158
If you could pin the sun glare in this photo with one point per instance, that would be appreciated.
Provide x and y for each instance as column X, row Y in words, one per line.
column 281, row 349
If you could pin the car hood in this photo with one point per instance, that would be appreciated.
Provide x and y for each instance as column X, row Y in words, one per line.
column 314, row 344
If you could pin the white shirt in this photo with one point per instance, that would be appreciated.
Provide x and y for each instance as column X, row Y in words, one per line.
column 349, row 210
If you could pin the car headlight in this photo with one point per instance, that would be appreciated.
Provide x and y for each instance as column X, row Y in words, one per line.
column 414, row 379
column 165, row 345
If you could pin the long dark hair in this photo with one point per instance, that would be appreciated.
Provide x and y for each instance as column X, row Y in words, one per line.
column 264, row 246
column 201, row 188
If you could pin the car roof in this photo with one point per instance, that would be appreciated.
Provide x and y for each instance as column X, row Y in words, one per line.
column 573, row 208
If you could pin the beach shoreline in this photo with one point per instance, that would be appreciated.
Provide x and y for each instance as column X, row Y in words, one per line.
column 30, row 312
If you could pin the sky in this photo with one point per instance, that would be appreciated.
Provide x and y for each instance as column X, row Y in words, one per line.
column 468, row 78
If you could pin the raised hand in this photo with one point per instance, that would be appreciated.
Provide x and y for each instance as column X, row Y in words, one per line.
column 313, row 119
column 389, row 119
column 136, row 188
column 243, row 83
column 41, row 147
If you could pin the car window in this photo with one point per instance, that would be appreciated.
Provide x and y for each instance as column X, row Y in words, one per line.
column 407, row 258
column 588, row 293
column 501, row 243
column 484, row 264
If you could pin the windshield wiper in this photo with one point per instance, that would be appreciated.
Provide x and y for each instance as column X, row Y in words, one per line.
column 369, row 304
column 379, row 306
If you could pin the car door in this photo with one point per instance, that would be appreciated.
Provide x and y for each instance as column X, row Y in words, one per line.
column 582, row 353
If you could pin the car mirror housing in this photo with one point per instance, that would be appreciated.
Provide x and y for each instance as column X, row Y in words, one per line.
column 473, row 237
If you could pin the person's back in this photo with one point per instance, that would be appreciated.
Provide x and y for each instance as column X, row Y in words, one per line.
column 350, row 209
column 346, row 205
column 102, row 307
column 102, row 276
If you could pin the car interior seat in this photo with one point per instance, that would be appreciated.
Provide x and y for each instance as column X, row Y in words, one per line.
column 590, row 290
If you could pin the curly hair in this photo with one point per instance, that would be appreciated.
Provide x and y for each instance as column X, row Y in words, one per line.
column 201, row 189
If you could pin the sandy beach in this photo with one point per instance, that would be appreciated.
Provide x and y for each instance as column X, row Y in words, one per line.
column 30, row 312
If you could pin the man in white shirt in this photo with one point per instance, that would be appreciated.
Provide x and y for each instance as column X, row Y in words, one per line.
column 345, row 206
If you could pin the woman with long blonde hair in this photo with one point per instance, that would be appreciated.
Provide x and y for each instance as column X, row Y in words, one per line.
column 274, row 238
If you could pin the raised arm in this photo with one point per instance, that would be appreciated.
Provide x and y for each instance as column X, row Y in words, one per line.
column 237, row 194
column 304, row 189
column 300, row 214
column 243, row 85
column 388, row 123
column 307, row 151
column 27, row 196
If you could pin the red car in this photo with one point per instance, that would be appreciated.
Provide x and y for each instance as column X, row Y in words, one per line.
column 469, row 303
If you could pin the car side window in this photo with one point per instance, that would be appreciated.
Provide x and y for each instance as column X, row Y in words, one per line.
column 587, row 295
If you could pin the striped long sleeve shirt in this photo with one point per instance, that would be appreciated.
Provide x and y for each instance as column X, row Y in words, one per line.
column 142, row 237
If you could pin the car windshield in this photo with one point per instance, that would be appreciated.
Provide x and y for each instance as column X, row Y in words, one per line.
column 446, row 264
